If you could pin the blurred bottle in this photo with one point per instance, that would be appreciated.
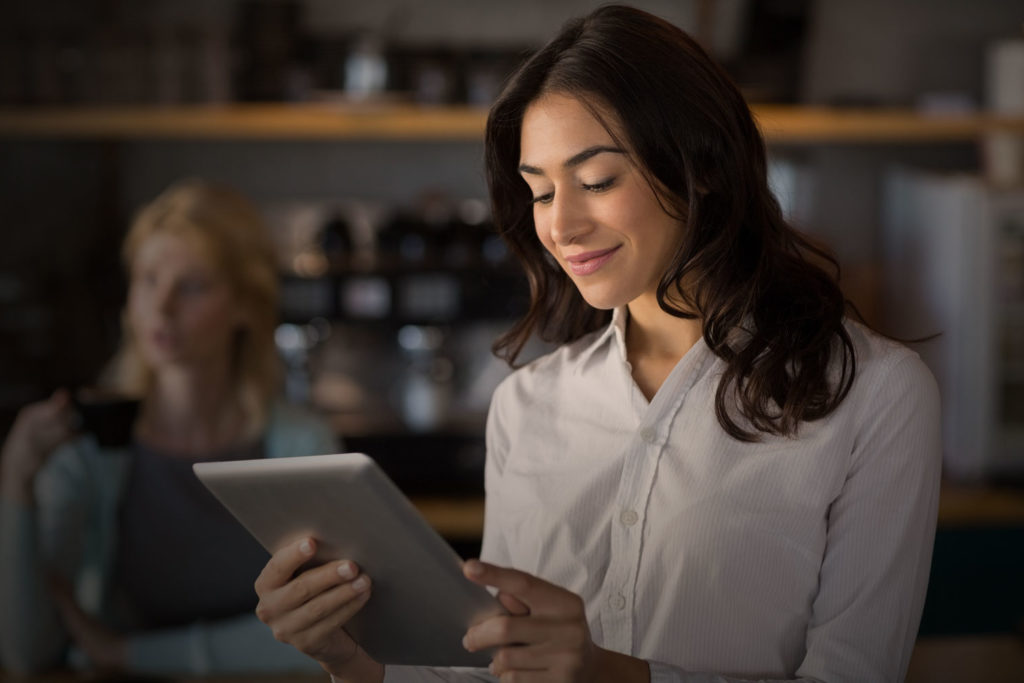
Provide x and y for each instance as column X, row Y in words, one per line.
column 336, row 242
column 366, row 68
column 427, row 389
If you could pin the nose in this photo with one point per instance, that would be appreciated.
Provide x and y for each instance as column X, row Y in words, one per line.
column 163, row 299
column 567, row 221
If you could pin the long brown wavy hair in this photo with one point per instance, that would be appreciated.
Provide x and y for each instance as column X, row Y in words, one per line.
column 767, row 308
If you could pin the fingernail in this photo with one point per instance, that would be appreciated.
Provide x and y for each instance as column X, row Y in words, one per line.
column 465, row 642
column 306, row 547
column 490, row 668
column 360, row 584
column 346, row 570
column 474, row 568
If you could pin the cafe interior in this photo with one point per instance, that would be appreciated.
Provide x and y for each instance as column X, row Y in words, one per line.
column 895, row 134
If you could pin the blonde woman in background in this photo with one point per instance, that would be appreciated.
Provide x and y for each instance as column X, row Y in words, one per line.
column 117, row 558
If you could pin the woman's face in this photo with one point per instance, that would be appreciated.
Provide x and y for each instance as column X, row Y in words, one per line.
column 181, row 309
column 593, row 209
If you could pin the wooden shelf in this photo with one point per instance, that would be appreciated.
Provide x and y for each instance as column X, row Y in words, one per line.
column 246, row 122
column 814, row 125
column 959, row 506
column 454, row 518
column 403, row 122
column 995, row 658
column 965, row 505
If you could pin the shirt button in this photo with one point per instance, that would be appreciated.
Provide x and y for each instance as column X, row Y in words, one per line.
column 628, row 517
column 617, row 601
column 648, row 435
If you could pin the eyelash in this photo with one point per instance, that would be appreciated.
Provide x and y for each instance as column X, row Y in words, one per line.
column 596, row 187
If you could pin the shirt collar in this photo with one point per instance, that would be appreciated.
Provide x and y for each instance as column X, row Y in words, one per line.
column 620, row 316
column 616, row 330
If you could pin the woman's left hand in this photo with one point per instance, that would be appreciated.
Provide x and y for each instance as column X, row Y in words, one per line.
column 545, row 636
column 104, row 647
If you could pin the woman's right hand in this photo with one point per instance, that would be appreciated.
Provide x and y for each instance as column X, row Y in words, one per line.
column 37, row 431
column 309, row 610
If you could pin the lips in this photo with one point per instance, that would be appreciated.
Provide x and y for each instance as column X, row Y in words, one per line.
column 590, row 261
column 163, row 339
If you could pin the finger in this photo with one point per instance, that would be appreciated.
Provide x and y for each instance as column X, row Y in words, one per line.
column 504, row 631
column 300, row 615
column 532, row 658
column 306, row 588
column 327, row 639
column 57, row 408
column 513, row 604
column 283, row 564
column 60, row 398
column 540, row 597
column 310, row 583
column 316, row 626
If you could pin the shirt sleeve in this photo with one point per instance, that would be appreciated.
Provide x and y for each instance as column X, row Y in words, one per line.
column 881, row 530
column 427, row 674
column 494, row 548
column 46, row 537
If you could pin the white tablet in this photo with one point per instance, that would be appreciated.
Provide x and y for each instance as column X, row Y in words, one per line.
column 421, row 604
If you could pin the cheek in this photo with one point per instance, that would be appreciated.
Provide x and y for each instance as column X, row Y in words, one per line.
column 543, row 234
column 137, row 308
column 218, row 318
column 208, row 313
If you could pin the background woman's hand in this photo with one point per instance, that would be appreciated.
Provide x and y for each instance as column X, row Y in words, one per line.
column 545, row 637
column 37, row 431
column 309, row 611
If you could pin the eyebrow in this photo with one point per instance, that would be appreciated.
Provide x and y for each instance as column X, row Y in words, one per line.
column 574, row 160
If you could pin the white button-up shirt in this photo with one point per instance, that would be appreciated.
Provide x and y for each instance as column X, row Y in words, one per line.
column 716, row 560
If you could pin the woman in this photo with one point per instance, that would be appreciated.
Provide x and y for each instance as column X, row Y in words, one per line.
column 717, row 476
column 120, row 549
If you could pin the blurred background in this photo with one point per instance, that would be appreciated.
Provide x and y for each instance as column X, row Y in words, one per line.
column 896, row 137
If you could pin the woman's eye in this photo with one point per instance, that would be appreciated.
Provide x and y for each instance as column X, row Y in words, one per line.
column 599, row 187
column 543, row 199
column 192, row 287
column 146, row 278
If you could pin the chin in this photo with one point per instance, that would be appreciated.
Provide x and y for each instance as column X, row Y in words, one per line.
column 162, row 358
column 602, row 302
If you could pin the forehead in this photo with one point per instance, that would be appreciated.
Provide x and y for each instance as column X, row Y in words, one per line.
column 556, row 126
column 174, row 248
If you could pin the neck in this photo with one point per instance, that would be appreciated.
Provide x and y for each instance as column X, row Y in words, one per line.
column 655, row 342
column 192, row 411
column 653, row 334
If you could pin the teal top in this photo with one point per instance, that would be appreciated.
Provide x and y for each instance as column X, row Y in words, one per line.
column 72, row 530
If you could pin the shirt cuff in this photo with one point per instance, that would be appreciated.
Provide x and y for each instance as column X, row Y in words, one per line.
column 664, row 673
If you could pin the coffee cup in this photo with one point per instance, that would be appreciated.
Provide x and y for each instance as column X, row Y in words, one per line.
column 110, row 418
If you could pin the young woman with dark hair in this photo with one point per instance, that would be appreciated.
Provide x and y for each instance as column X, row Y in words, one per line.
column 717, row 475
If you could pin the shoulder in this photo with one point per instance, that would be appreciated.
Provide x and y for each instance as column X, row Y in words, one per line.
column 295, row 430
column 81, row 468
column 549, row 371
column 884, row 364
column 539, row 383
column 892, row 385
